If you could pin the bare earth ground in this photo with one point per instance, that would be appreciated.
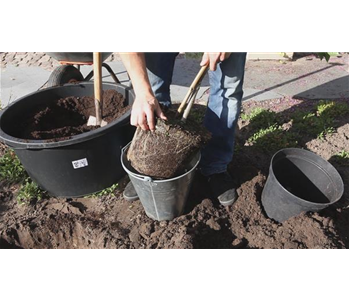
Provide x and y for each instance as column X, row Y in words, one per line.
column 112, row 222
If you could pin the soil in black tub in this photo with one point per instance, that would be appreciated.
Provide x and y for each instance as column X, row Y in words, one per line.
column 67, row 117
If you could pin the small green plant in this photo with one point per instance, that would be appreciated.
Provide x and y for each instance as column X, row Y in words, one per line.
column 285, row 55
column 272, row 138
column 29, row 191
column 255, row 112
column 325, row 132
column 343, row 154
column 342, row 158
column 326, row 55
column 263, row 132
column 321, row 121
column 11, row 170
column 304, row 122
column 261, row 118
column 108, row 191
column 331, row 109
column 271, row 132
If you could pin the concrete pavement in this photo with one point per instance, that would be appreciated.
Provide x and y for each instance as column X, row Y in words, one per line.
column 307, row 78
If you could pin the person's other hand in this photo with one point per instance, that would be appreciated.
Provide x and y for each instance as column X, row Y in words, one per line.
column 143, row 112
column 213, row 58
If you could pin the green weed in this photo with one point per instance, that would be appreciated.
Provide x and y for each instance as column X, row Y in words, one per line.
column 321, row 121
column 261, row 118
column 342, row 158
column 343, row 154
column 29, row 191
column 11, row 169
column 331, row 109
column 108, row 191
column 272, row 138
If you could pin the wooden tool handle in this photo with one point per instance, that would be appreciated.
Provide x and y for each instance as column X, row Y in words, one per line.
column 192, row 87
column 200, row 75
column 97, row 73
column 189, row 106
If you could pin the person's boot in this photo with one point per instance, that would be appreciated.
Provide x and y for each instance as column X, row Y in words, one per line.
column 130, row 193
column 223, row 188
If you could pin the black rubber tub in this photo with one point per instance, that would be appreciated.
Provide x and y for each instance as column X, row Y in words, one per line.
column 84, row 164
column 299, row 181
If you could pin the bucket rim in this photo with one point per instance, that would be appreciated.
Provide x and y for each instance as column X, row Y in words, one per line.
column 341, row 183
column 150, row 179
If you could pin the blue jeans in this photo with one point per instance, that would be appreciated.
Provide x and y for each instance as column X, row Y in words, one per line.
column 224, row 104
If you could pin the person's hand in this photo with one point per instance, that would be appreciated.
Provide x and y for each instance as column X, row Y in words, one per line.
column 143, row 110
column 213, row 58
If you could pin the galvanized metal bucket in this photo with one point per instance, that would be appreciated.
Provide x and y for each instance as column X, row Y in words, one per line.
column 162, row 199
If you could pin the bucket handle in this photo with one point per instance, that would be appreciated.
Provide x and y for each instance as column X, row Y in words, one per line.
column 141, row 177
column 145, row 178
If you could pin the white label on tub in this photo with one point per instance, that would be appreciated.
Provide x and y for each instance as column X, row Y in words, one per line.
column 81, row 163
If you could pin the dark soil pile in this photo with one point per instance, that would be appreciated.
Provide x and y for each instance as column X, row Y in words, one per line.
column 111, row 222
column 67, row 117
column 165, row 152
